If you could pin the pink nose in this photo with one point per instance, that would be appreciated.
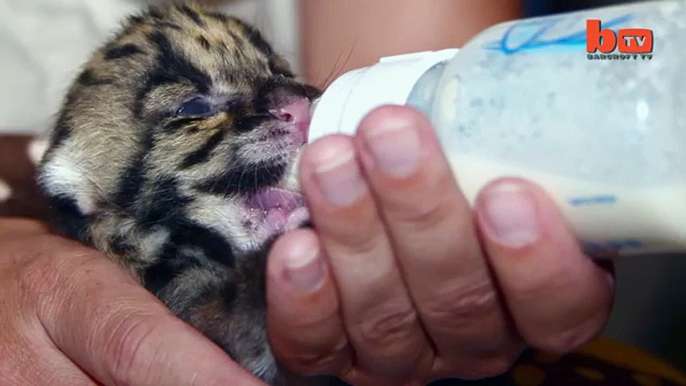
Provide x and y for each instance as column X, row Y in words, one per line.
column 297, row 113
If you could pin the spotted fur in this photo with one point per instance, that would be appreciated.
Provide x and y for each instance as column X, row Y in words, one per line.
column 165, row 194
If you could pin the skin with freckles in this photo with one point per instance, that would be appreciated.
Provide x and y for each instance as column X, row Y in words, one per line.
column 77, row 319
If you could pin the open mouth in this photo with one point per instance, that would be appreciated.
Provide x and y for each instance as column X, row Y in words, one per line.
column 272, row 211
column 275, row 210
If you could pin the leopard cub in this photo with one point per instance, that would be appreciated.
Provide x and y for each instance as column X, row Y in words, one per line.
column 170, row 156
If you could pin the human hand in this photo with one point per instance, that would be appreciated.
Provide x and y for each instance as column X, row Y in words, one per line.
column 71, row 317
column 402, row 283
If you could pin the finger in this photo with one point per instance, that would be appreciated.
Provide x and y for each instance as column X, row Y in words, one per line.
column 11, row 229
column 29, row 356
column 42, row 368
column 120, row 333
column 433, row 233
column 378, row 314
column 303, row 315
column 40, row 363
column 559, row 297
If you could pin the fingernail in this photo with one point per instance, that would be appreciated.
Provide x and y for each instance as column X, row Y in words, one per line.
column 395, row 147
column 338, row 174
column 511, row 215
column 304, row 269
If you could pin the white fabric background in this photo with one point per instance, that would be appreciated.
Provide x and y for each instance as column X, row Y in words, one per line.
column 44, row 42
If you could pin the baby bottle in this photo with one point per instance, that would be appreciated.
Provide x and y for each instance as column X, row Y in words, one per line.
column 589, row 105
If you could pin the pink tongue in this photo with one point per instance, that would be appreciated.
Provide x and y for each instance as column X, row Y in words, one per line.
column 272, row 198
column 279, row 220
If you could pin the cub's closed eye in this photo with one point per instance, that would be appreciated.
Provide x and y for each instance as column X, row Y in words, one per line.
column 196, row 107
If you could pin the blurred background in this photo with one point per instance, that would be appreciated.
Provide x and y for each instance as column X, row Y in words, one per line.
column 43, row 42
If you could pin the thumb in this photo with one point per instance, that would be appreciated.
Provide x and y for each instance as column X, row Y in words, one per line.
column 121, row 334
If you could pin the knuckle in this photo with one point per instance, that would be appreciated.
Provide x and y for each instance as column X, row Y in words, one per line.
column 326, row 315
column 487, row 368
column 459, row 307
column 125, row 345
column 384, row 328
column 363, row 236
column 425, row 218
column 569, row 339
column 334, row 361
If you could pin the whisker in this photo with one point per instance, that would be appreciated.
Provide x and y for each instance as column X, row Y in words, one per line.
column 337, row 71
column 321, row 85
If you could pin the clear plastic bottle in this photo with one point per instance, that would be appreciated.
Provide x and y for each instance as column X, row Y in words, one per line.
column 605, row 136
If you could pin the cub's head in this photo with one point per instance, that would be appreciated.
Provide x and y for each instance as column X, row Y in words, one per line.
column 186, row 116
